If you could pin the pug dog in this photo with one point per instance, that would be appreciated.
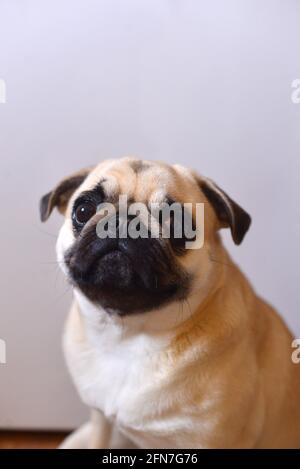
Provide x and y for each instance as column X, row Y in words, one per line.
column 169, row 347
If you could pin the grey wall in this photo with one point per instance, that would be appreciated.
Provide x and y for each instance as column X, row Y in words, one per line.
column 203, row 83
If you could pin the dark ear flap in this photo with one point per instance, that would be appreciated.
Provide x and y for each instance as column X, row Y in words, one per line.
column 61, row 194
column 229, row 213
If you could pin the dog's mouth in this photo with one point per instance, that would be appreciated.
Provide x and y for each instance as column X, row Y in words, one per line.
column 125, row 276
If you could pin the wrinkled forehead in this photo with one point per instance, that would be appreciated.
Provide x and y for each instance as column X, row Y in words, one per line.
column 142, row 180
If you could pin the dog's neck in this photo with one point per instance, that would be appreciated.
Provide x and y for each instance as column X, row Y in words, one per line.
column 163, row 324
column 157, row 323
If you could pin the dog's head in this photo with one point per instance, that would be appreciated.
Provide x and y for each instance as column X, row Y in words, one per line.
column 132, row 274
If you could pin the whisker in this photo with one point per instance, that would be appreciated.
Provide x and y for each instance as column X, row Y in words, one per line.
column 52, row 262
column 52, row 235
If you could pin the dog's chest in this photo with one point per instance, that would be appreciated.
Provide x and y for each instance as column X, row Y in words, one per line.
column 112, row 373
column 132, row 381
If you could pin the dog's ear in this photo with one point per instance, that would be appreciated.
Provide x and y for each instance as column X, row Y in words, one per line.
column 61, row 194
column 228, row 212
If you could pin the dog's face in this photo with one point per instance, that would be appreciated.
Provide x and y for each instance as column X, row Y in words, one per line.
column 132, row 275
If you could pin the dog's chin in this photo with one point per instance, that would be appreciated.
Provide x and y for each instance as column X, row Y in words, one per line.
column 114, row 283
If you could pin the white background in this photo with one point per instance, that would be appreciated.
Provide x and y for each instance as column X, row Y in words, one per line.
column 203, row 83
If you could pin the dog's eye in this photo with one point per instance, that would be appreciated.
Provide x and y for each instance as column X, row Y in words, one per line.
column 84, row 212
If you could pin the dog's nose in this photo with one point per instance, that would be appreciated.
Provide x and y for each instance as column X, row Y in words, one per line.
column 89, row 250
column 96, row 241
